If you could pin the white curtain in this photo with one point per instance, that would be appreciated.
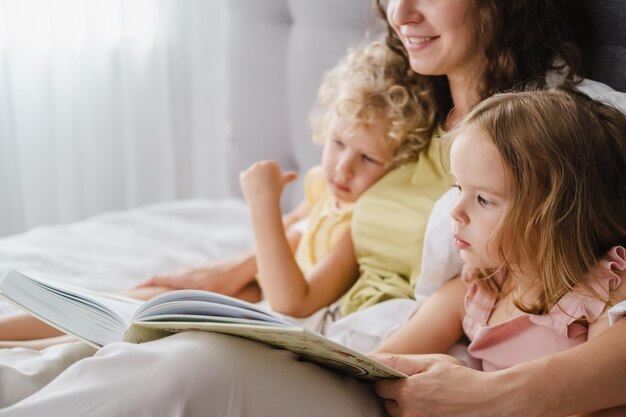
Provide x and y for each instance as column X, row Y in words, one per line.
column 108, row 104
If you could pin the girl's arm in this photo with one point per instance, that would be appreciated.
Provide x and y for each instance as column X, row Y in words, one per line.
column 281, row 279
column 435, row 327
column 230, row 276
column 595, row 373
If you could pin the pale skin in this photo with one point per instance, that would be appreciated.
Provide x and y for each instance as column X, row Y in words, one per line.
column 235, row 277
column 438, row 385
column 440, row 388
column 480, row 175
column 354, row 158
column 459, row 61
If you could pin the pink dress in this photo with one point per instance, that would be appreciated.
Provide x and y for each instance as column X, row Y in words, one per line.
column 529, row 336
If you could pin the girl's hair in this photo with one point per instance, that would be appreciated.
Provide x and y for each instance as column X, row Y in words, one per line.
column 564, row 155
column 370, row 85
column 522, row 41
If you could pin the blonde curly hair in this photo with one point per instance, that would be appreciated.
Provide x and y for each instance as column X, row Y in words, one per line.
column 371, row 85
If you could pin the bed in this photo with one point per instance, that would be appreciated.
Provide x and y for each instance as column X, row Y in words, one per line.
column 113, row 251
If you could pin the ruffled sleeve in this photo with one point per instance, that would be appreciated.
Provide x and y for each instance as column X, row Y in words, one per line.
column 478, row 303
column 581, row 302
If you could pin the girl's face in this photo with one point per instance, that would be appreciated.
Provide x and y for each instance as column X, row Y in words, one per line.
column 355, row 158
column 480, row 177
column 438, row 35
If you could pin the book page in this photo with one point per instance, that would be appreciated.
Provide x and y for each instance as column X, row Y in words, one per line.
column 307, row 345
column 195, row 302
column 94, row 317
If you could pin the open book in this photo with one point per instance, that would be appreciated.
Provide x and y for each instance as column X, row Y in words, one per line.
column 100, row 319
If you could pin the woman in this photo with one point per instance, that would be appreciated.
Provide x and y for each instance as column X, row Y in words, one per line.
column 440, row 387
column 204, row 374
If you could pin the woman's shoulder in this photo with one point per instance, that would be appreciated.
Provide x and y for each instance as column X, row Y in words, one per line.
column 593, row 89
column 603, row 92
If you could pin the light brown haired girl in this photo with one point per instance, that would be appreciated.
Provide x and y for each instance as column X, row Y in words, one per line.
column 539, row 224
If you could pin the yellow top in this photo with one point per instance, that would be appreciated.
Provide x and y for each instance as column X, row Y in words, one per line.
column 388, row 227
column 326, row 222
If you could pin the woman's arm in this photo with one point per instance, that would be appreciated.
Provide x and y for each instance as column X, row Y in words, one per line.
column 591, row 376
column 283, row 283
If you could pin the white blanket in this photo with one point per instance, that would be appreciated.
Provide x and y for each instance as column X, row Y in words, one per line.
column 114, row 251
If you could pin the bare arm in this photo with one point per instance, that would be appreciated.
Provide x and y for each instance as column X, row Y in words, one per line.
column 229, row 276
column 282, row 281
column 562, row 384
column 595, row 373
column 330, row 279
column 435, row 327
column 591, row 376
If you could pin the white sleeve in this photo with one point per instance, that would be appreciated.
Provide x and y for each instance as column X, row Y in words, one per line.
column 364, row 330
column 441, row 260
column 593, row 89
column 603, row 92
column 617, row 312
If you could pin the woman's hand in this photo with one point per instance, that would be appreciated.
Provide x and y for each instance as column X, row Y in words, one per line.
column 438, row 385
column 263, row 183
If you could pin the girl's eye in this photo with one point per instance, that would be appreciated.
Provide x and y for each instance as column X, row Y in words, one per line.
column 338, row 143
column 482, row 201
column 369, row 159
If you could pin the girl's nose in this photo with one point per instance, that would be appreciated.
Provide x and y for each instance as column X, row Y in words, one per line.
column 345, row 167
column 458, row 214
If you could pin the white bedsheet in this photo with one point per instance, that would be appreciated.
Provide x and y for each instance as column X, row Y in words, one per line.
column 113, row 251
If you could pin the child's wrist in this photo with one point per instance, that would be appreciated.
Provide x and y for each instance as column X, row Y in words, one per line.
column 263, row 210
column 264, row 203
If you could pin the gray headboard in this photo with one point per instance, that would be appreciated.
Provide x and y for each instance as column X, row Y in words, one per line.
column 600, row 30
column 278, row 51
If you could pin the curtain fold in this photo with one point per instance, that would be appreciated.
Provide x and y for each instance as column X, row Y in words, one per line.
column 108, row 104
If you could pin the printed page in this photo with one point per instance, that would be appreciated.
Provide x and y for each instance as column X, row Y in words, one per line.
column 309, row 346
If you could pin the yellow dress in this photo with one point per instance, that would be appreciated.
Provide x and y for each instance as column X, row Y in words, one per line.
column 388, row 226
column 326, row 222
